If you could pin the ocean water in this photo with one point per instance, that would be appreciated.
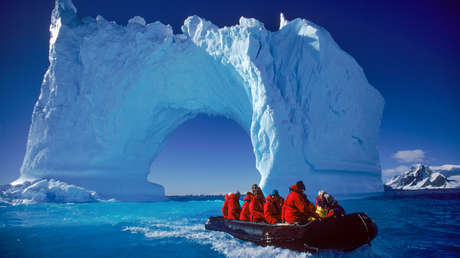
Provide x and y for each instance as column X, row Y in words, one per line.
column 413, row 226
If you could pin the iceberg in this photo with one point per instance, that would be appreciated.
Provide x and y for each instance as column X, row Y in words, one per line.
column 112, row 94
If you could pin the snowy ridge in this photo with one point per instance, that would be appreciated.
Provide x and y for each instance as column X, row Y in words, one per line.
column 447, row 170
column 44, row 190
column 112, row 95
column 421, row 177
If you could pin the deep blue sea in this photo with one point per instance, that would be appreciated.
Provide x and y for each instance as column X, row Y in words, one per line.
column 414, row 226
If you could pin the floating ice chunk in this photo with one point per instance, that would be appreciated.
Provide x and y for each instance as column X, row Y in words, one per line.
column 45, row 190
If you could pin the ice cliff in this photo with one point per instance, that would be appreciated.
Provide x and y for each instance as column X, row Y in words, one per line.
column 112, row 94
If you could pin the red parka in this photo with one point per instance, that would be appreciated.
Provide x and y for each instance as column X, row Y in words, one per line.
column 297, row 208
column 256, row 207
column 245, row 215
column 234, row 207
column 225, row 207
column 272, row 209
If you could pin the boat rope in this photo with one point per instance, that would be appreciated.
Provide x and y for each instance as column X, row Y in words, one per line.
column 316, row 249
column 365, row 226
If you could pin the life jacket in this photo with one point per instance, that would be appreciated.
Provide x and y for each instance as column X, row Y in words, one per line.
column 256, row 208
column 225, row 207
column 245, row 215
column 320, row 210
column 234, row 208
column 273, row 209
column 297, row 208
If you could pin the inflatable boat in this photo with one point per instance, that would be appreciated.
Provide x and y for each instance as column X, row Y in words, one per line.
column 344, row 233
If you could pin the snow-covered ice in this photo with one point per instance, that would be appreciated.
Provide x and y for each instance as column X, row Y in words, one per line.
column 44, row 190
column 112, row 94
column 421, row 177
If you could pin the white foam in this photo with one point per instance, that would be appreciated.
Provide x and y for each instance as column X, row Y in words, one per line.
column 219, row 241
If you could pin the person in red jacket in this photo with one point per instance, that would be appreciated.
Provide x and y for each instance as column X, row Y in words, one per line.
column 225, row 207
column 245, row 215
column 256, row 206
column 234, row 207
column 297, row 208
column 272, row 208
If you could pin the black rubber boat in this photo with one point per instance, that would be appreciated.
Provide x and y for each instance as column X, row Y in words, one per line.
column 343, row 233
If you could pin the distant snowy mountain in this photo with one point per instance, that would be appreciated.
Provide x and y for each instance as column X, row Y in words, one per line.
column 421, row 177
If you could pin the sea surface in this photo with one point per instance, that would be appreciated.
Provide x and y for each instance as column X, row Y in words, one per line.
column 409, row 226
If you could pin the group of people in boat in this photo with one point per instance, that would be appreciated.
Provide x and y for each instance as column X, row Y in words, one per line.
column 296, row 208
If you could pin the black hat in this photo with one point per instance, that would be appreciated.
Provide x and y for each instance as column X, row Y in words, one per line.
column 300, row 185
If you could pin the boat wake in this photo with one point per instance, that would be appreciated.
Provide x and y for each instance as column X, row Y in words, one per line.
column 227, row 245
column 218, row 241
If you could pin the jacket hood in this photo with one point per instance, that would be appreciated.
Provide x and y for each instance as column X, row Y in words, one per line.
column 248, row 197
column 269, row 198
column 233, row 196
column 295, row 188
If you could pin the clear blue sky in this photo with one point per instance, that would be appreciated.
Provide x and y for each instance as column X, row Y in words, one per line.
column 409, row 50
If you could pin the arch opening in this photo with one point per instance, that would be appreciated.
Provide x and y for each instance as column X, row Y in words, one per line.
column 205, row 155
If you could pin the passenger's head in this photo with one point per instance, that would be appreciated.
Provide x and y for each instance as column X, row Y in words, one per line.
column 275, row 193
column 237, row 194
column 248, row 196
column 321, row 193
column 254, row 188
column 320, row 197
column 300, row 185
column 328, row 199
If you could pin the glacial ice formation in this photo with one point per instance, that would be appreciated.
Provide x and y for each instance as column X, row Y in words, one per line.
column 44, row 190
column 112, row 94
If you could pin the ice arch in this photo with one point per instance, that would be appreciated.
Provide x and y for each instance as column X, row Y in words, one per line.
column 112, row 94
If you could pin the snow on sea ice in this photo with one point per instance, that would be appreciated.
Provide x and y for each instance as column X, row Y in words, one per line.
column 45, row 190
